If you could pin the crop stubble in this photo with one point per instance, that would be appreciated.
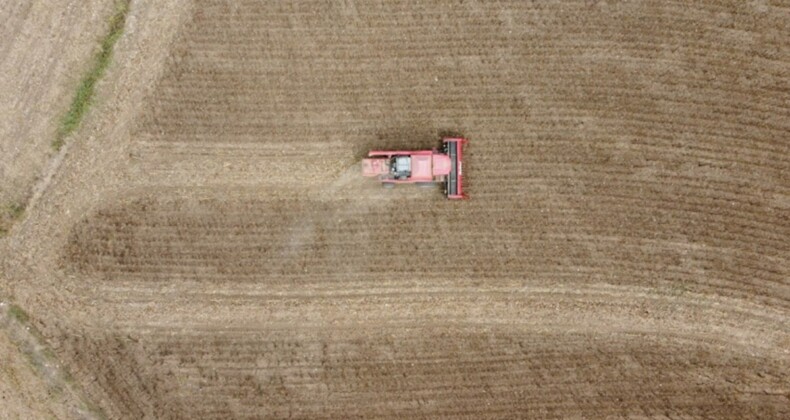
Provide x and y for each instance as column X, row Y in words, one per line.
column 639, row 149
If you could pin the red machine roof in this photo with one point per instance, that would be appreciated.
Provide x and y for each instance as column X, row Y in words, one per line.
column 421, row 167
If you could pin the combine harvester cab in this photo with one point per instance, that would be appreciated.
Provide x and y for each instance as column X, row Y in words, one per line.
column 422, row 167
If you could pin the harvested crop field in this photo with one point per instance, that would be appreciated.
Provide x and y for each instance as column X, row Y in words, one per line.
column 625, row 251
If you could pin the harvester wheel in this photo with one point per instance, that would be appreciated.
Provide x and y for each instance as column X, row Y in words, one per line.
column 425, row 184
column 387, row 185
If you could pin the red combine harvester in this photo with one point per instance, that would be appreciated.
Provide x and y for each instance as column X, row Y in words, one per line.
column 421, row 167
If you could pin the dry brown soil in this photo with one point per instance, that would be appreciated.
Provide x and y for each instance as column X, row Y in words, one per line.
column 207, row 250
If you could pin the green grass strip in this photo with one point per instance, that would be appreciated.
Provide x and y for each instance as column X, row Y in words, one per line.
column 19, row 314
column 82, row 100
